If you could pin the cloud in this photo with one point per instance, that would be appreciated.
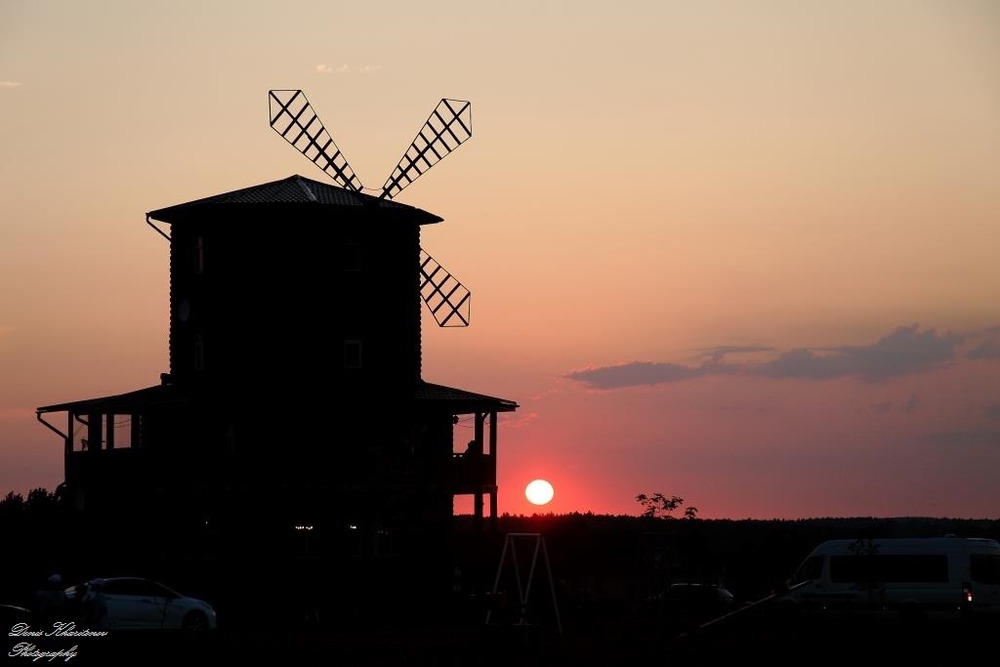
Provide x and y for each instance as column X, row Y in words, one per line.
column 718, row 354
column 520, row 420
column 969, row 438
column 909, row 406
column 988, row 348
column 9, row 84
column 343, row 69
column 640, row 373
column 904, row 351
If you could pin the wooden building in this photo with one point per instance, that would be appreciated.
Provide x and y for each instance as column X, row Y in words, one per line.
column 294, row 416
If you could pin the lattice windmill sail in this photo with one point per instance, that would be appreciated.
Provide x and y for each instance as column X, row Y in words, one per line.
column 448, row 126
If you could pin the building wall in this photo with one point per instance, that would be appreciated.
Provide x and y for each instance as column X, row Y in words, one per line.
column 277, row 295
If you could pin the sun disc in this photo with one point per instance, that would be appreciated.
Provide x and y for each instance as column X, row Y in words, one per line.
column 539, row 492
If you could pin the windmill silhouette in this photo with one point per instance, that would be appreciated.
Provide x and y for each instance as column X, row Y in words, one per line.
column 448, row 126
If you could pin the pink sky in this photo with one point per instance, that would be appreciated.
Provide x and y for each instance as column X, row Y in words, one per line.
column 741, row 253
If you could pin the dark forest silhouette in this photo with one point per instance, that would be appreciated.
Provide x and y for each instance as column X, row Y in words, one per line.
column 616, row 560
column 606, row 572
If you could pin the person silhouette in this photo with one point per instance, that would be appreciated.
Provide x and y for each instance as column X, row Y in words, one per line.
column 50, row 600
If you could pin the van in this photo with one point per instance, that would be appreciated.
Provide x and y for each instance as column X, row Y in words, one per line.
column 906, row 577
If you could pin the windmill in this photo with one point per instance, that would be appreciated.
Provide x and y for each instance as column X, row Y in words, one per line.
column 447, row 127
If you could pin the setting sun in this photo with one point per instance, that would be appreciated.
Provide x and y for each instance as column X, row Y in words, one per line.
column 539, row 492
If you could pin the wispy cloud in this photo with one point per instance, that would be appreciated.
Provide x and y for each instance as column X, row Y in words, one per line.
column 519, row 420
column 904, row 351
column 989, row 347
column 911, row 405
column 9, row 84
column 965, row 438
column 633, row 374
column 343, row 69
column 881, row 408
column 718, row 354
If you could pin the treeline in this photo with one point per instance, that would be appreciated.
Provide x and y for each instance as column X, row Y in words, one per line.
column 633, row 557
column 618, row 559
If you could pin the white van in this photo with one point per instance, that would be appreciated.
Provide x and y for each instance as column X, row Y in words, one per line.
column 938, row 576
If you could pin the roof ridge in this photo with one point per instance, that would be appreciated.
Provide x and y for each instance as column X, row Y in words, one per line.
column 301, row 180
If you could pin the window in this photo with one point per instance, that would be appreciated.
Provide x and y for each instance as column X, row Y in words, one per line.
column 199, row 255
column 889, row 568
column 199, row 354
column 985, row 568
column 811, row 568
column 352, row 354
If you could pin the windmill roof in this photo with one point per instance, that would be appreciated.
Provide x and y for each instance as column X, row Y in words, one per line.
column 293, row 191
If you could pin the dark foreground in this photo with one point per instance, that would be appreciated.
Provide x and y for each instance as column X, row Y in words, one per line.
column 753, row 633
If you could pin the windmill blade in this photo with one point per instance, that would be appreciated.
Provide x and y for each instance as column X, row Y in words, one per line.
column 448, row 126
column 294, row 119
column 448, row 300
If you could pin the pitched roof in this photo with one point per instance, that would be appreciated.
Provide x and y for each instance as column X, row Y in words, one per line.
column 460, row 401
column 293, row 191
column 428, row 395
column 155, row 395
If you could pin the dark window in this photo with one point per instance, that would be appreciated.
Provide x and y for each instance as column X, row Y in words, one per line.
column 889, row 568
column 811, row 568
column 352, row 354
column 199, row 255
column 121, row 587
column 985, row 568
column 199, row 354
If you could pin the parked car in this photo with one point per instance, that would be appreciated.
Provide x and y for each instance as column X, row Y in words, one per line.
column 138, row 603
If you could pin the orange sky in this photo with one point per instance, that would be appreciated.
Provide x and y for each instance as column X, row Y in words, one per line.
column 741, row 253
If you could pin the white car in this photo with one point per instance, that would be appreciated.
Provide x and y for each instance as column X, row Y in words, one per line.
column 137, row 603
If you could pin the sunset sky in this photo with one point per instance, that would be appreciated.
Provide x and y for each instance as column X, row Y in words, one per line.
column 744, row 253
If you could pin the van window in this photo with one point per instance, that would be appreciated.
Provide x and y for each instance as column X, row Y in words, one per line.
column 811, row 568
column 889, row 568
column 985, row 568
